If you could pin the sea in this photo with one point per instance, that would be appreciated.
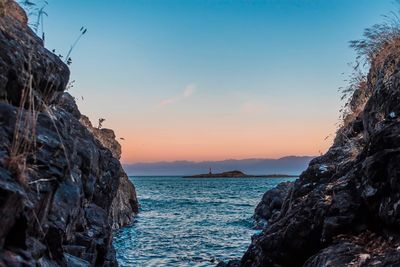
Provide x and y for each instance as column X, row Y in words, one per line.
column 191, row 221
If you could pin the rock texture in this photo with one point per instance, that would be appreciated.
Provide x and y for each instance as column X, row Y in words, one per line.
column 344, row 210
column 24, row 61
column 268, row 210
column 125, row 203
column 60, row 184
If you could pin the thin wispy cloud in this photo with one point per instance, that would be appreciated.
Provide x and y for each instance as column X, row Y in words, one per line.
column 251, row 107
column 189, row 90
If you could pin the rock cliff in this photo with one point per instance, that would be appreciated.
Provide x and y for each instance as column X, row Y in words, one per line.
column 344, row 210
column 268, row 210
column 125, row 203
column 62, row 187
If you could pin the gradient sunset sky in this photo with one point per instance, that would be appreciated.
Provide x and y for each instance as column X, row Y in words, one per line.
column 211, row 80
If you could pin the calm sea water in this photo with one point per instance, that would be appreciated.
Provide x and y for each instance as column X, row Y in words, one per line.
column 190, row 222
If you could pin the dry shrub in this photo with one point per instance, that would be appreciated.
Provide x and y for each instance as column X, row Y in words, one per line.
column 24, row 137
column 32, row 102
column 379, row 43
column 379, row 38
column 355, row 95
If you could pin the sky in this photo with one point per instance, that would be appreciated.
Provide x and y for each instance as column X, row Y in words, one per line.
column 212, row 80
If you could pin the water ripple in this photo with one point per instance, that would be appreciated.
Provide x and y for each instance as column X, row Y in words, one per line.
column 190, row 222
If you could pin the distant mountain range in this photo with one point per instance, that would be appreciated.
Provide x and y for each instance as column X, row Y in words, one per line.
column 292, row 165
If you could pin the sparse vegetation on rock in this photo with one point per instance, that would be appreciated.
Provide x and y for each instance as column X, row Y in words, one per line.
column 62, row 190
column 344, row 209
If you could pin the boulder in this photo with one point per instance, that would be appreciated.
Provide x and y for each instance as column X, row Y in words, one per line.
column 269, row 208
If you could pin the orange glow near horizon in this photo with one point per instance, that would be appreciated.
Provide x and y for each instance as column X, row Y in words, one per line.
column 197, row 128
column 216, row 144
column 213, row 80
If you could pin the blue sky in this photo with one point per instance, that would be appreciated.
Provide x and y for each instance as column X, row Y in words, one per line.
column 260, row 76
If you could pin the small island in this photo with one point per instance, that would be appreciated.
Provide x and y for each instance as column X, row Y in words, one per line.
column 238, row 174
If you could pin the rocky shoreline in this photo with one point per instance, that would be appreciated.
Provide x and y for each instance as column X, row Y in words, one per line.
column 344, row 209
column 269, row 208
column 63, row 190
column 62, row 187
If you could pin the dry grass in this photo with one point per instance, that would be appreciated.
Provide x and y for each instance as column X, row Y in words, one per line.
column 24, row 137
column 23, row 144
column 355, row 96
column 379, row 45
column 378, row 38
column 3, row 7
column 32, row 102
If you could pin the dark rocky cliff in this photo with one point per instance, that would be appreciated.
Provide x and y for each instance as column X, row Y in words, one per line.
column 269, row 208
column 62, row 187
column 344, row 210
column 125, row 202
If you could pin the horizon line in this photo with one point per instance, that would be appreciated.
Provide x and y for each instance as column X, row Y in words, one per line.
column 227, row 159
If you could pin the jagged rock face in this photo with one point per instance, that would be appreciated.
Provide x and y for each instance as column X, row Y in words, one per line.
column 268, row 210
column 125, row 203
column 59, row 209
column 104, row 135
column 348, row 198
column 58, row 182
column 24, row 62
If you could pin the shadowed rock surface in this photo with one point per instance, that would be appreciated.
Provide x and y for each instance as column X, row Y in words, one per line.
column 62, row 189
column 125, row 203
column 24, row 61
column 268, row 210
column 344, row 209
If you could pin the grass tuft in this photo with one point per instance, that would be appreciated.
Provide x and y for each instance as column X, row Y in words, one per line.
column 379, row 44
